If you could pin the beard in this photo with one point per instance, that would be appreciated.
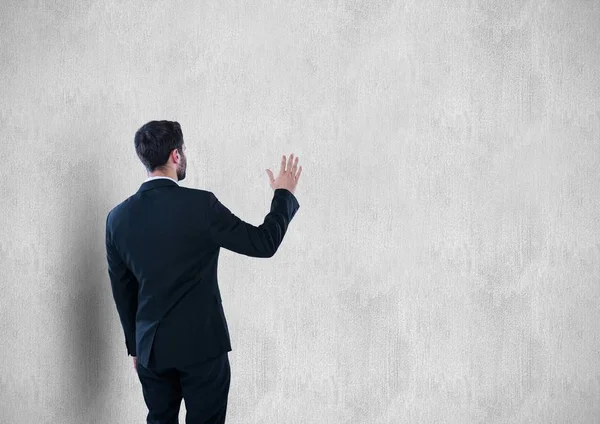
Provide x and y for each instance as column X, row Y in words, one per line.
column 181, row 169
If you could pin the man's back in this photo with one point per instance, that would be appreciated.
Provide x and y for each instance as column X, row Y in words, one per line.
column 167, row 238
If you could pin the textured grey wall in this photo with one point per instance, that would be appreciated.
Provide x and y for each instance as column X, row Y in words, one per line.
column 444, row 265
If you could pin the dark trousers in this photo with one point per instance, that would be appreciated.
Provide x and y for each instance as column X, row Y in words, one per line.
column 204, row 387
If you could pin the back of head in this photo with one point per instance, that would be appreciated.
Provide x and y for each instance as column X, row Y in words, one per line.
column 155, row 141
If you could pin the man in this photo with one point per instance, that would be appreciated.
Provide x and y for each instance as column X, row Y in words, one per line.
column 162, row 247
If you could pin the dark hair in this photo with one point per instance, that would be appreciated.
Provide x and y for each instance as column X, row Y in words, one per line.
column 155, row 141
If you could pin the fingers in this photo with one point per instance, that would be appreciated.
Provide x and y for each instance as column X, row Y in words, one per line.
column 288, row 165
column 282, row 170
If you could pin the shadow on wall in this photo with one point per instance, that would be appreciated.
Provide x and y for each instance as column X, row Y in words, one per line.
column 83, row 366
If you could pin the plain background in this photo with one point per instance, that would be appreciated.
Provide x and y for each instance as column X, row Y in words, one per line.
column 444, row 265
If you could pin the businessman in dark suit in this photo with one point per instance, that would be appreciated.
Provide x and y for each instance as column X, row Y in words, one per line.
column 162, row 248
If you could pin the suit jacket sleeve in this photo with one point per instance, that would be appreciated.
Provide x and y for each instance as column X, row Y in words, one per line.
column 230, row 232
column 125, row 291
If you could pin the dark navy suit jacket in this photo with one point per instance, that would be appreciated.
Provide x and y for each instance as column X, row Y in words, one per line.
column 162, row 248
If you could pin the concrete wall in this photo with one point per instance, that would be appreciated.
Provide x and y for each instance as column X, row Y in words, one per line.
column 444, row 265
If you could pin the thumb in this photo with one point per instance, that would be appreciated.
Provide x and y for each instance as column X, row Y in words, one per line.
column 270, row 174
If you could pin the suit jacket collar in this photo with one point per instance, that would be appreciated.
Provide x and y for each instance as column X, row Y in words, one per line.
column 158, row 182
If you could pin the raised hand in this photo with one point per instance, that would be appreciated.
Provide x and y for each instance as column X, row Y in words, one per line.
column 288, row 175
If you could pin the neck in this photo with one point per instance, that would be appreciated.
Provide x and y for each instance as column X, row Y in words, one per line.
column 171, row 174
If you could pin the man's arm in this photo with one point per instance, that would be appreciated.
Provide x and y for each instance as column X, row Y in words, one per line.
column 125, row 291
column 230, row 232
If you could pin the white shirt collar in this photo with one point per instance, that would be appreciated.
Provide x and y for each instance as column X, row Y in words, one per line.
column 160, row 176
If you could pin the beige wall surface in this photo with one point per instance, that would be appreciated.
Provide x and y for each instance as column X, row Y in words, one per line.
column 444, row 266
